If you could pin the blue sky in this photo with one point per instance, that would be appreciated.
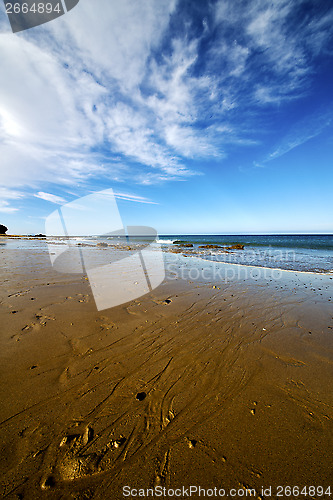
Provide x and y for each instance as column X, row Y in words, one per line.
column 202, row 116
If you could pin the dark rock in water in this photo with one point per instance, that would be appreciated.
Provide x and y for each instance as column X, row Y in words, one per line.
column 178, row 242
column 186, row 245
column 3, row 229
column 102, row 244
column 236, row 246
column 40, row 236
column 210, row 246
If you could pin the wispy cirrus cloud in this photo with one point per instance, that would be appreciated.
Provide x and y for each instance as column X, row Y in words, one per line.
column 302, row 132
column 134, row 198
column 282, row 38
column 9, row 194
column 50, row 197
column 133, row 94
column 6, row 208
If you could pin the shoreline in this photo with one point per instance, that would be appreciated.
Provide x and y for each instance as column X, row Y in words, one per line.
column 182, row 251
column 327, row 273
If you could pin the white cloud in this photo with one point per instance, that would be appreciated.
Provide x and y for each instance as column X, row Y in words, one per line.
column 8, row 194
column 115, row 40
column 97, row 100
column 286, row 57
column 268, row 95
column 233, row 55
column 135, row 198
column 302, row 132
column 129, row 133
column 49, row 124
column 189, row 142
column 272, row 43
column 5, row 208
column 50, row 197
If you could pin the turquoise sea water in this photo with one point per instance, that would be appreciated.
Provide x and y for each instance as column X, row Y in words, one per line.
column 314, row 241
column 299, row 252
column 309, row 253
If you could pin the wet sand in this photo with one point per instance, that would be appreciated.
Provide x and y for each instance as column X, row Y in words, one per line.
column 226, row 385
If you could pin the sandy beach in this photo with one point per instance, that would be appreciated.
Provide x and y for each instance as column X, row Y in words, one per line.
column 166, row 250
column 200, row 382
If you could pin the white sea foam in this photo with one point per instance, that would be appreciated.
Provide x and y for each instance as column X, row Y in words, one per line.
column 165, row 242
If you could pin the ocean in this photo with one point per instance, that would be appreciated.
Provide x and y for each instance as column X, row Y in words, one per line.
column 295, row 252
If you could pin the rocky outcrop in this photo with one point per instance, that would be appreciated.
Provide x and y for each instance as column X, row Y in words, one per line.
column 3, row 229
column 236, row 246
column 210, row 246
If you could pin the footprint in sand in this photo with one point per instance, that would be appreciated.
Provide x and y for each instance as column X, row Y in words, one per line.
column 192, row 443
column 106, row 324
column 26, row 328
column 43, row 319
column 82, row 298
column 74, row 461
column 162, row 473
column 165, row 302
